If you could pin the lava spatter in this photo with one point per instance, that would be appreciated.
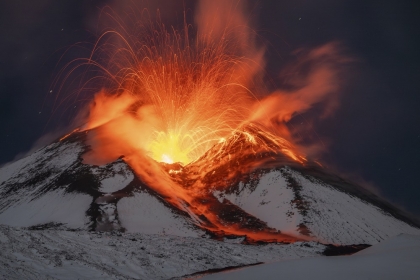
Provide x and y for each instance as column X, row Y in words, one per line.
column 188, row 111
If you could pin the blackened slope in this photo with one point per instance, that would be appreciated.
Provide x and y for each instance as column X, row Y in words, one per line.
column 36, row 172
column 54, row 172
column 334, row 250
column 299, row 202
column 41, row 187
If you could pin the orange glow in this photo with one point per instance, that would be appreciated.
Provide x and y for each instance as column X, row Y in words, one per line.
column 174, row 99
column 168, row 148
column 68, row 134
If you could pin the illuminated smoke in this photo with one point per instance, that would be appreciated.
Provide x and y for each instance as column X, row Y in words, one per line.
column 173, row 96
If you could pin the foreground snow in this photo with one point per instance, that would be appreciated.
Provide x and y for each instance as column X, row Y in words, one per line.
column 62, row 254
column 396, row 258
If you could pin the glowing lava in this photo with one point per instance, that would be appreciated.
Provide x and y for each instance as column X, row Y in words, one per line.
column 173, row 96
column 170, row 147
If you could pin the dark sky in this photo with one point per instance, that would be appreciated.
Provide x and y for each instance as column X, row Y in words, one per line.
column 375, row 134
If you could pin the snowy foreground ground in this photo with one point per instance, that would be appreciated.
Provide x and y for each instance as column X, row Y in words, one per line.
column 62, row 254
column 396, row 258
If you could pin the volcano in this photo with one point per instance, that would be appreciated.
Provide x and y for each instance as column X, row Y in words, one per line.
column 185, row 159
column 244, row 192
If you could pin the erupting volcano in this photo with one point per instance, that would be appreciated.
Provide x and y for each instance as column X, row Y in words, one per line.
column 182, row 118
column 180, row 106
column 172, row 98
column 186, row 154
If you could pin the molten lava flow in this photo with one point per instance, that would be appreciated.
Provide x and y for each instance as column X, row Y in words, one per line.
column 68, row 134
column 191, row 188
column 187, row 99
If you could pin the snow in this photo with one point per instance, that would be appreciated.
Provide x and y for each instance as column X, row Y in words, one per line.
column 339, row 218
column 57, row 156
column 114, row 177
column 59, row 254
column 49, row 161
column 331, row 216
column 270, row 202
column 22, row 204
column 113, row 184
column 55, row 206
column 146, row 214
column 396, row 258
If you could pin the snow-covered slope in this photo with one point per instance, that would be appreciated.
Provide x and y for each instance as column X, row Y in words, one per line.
column 144, row 213
column 59, row 254
column 291, row 202
column 29, row 193
column 396, row 258
column 53, row 188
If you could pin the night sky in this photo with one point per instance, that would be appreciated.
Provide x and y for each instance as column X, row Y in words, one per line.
column 374, row 136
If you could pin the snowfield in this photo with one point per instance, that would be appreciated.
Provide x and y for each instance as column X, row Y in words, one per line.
column 53, row 207
column 340, row 218
column 332, row 216
column 396, row 258
column 145, row 213
column 23, row 201
column 270, row 198
column 61, row 254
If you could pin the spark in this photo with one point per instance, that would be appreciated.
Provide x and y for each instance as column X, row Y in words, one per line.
column 68, row 134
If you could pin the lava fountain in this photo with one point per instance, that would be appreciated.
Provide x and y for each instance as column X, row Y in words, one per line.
column 173, row 101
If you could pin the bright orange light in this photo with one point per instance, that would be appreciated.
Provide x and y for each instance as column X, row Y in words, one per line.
column 170, row 147
column 172, row 98
column 167, row 159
